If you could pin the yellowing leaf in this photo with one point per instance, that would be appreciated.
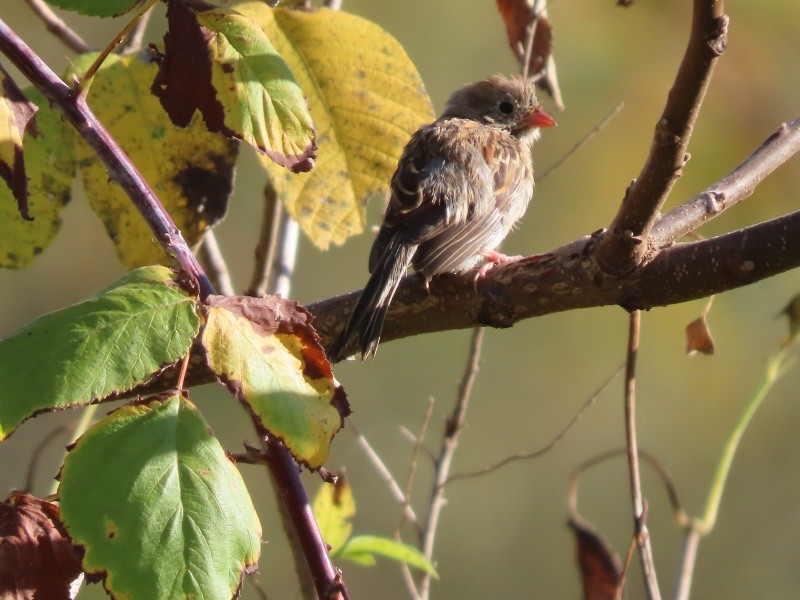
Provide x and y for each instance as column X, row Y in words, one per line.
column 367, row 99
column 334, row 506
column 221, row 64
column 190, row 170
column 268, row 355
column 50, row 169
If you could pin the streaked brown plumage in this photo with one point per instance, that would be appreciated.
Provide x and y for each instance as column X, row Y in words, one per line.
column 461, row 184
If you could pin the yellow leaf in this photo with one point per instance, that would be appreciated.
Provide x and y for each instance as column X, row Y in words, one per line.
column 190, row 169
column 334, row 506
column 366, row 98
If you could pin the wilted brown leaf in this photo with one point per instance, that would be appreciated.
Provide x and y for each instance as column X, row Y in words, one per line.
column 698, row 337
column 792, row 311
column 601, row 569
column 37, row 559
column 518, row 16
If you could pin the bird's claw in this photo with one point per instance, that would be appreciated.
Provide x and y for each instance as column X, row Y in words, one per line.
column 493, row 259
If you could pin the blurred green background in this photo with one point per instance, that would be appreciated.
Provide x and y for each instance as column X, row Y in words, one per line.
column 505, row 535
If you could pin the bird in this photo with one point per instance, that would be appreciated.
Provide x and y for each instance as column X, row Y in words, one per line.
column 461, row 184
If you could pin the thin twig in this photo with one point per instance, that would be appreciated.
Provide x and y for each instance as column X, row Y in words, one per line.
column 413, row 439
column 58, row 28
column 133, row 43
column 33, row 465
column 386, row 475
column 582, row 142
column 267, row 243
column 547, row 447
column 414, row 461
column 287, row 257
column 691, row 541
column 452, row 433
column 214, row 263
column 639, row 512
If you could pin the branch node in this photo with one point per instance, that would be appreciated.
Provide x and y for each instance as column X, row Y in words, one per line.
column 714, row 202
column 719, row 40
column 664, row 135
column 747, row 266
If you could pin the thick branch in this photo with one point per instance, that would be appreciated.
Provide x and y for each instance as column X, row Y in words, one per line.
column 623, row 247
column 570, row 278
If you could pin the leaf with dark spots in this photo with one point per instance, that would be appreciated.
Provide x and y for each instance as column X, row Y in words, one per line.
column 600, row 567
column 16, row 120
column 37, row 558
column 268, row 355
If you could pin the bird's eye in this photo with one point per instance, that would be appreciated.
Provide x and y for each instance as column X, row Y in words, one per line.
column 506, row 107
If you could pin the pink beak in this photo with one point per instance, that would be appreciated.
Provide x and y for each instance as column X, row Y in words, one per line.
column 538, row 118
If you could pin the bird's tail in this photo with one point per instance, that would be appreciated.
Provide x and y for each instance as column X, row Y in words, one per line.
column 366, row 321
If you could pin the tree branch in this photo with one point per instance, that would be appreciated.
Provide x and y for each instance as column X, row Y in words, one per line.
column 731, row 189
column 58, row 28
column 624, row 247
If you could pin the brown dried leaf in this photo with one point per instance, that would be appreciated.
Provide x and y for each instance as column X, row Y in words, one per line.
column 601, row 569
column 698, row 337
column 517, row 16
column 37, row 559
column 792, row 311
column 16, row 119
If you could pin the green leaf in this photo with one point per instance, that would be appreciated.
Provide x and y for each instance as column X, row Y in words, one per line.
column 333, row 508
column 266, row 352
column 50, row 168
column 190, row 169
column 367, row 99
column 106, row 344
column 362, row 549
column 96, row 8
column 157, row 506
column 219, row 62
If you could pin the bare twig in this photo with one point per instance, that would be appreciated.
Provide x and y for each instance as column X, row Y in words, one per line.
column 581, row 143
column 691, row 541
column 735, row 187
column 58, row 28
column 214, row 263
column 386, row 475
column 550, row 445
column 287, row 257
column 33, row 465
column 452, row 433
column 412, row 463
column 415, row 442
column 133, row 43
column 623, row 247
column 639, row 509
column 267, row 243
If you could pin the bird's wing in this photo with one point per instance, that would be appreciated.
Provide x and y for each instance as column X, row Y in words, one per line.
column 456, row 247
column 442, row 179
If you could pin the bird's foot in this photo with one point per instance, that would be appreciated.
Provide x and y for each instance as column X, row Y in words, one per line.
column 493, row 259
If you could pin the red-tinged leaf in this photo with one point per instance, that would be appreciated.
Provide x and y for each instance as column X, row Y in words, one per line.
column 16, row 119
column 698, row 337
column 518, row 16
column 268, row 355
column 37, row 559
column 601, row 569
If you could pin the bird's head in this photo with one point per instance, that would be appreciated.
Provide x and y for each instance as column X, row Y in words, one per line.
column 508, row 103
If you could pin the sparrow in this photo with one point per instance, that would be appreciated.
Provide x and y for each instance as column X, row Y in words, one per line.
column 461, row 184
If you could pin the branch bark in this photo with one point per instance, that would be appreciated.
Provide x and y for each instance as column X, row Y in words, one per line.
column 624, row 245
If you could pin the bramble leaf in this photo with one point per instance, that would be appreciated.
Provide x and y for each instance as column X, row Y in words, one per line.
column 159, row 509
column 106, row 344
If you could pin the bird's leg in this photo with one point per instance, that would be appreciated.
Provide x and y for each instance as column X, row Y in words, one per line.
column 493, row 258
